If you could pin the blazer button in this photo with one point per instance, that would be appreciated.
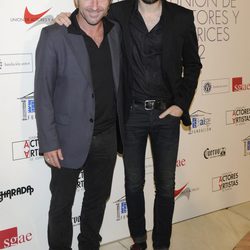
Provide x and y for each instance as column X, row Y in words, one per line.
column 93, row 95
column 91, row 120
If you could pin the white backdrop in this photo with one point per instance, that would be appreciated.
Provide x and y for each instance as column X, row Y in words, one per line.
column 213, row 163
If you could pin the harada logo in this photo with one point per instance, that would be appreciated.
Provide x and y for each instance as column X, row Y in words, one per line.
column 28, row 107
column 10, row 237
column 212, row 153
column 225, row 182
column 237, row 84
column 201, row 122
column 215, row 86
column 238, row 116
column 246, row 146
column 25, row 149
column 121, row 209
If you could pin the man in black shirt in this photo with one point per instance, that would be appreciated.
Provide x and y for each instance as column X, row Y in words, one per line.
column 160, row 73
column 76, row 94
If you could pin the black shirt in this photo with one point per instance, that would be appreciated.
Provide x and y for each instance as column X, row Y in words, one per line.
column 102, row 76
column 148, row 81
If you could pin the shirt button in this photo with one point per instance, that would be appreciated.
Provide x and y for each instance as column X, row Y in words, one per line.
column 93, row 95
column 91, row 120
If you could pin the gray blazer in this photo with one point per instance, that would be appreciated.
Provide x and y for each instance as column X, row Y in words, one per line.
column 65, row 104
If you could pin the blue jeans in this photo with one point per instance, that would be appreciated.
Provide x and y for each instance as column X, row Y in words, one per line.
column 164, row 137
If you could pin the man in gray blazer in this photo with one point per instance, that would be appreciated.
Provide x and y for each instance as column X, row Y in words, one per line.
column 77, row 105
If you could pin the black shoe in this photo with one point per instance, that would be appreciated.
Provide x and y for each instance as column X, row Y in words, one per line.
column 139, row 246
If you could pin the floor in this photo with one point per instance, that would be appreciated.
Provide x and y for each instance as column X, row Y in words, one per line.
column 220, row 230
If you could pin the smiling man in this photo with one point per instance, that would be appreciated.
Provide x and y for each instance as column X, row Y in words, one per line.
column 77, row 105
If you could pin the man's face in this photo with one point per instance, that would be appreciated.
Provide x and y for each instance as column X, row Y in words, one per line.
column 93, row 11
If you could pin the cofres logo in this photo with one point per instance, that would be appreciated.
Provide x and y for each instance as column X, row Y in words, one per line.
column 28, row 107
column 212, row 153
column 10, row 237
column 201, row 122
column 238, row 116
column 121, row 209
column 225, row 182
column 246, row 142
column 25, row 149
column 237, row 84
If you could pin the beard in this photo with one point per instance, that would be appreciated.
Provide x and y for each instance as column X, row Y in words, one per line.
column 149, row 1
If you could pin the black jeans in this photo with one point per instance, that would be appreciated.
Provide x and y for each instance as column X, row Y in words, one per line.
column 98, row 174
column 164, row 137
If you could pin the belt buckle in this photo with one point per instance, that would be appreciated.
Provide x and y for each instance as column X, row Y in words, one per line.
column 149, row 104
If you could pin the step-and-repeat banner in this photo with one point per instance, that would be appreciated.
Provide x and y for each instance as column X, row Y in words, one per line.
column 213, row 165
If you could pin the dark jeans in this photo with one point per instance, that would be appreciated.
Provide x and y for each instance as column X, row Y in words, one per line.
column 98, row 173
column 164, row 137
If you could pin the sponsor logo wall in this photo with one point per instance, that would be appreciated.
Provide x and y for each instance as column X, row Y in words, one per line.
column 212, row 168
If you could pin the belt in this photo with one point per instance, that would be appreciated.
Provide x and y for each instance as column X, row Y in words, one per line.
column 153, row 104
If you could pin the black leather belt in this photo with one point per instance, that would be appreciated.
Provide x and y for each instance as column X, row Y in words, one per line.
column 153, row 104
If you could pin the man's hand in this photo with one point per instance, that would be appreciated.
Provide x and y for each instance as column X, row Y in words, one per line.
column 53, row 157
column 63, row 19
column 172, row 110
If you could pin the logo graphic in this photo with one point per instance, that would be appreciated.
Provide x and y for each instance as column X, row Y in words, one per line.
column 25, row 149
column 246, row 146
column 31, row 18
column 237, row 85
column 121, row 209
column 215, row 86
column 10, row 193
column 28, row 107
column 225, row 182
column 183, row 191
column 201, row 122
column 16, row 63
column 212, row 153
column 10, row 237
column 238, row 116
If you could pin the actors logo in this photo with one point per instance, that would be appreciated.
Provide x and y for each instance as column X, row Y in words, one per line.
column 181, row 163
column 16, row 63
column 215, row 86
column 237, row 85
column 80, row 182
column 225, row 182
column 10, row 237
column 121, row 209
column 25, row 149
column 212, row 153
column 10, row 193
column 238, row 116
column 28, row 107
column 246, row 146
column 201, row 122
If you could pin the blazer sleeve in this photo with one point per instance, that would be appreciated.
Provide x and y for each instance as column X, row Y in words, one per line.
column 191, row 67
column 45, row 80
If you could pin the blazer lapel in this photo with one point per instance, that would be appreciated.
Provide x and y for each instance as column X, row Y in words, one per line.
column 76, row 43
column 114, row 42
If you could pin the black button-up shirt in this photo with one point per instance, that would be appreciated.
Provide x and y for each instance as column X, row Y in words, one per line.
column 102, row 76
column 148, row 81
